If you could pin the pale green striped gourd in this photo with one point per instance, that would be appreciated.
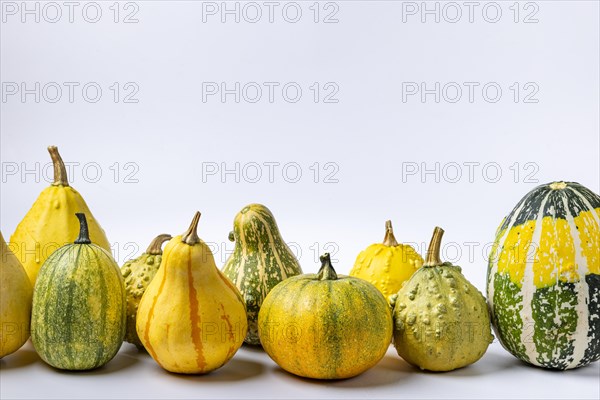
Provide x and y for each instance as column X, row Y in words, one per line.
column 260, row 260
column 78, row 315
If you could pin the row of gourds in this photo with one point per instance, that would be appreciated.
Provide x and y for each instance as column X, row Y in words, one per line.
column 191, row 317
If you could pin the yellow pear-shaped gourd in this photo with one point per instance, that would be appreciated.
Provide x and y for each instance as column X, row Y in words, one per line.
column 15, row 302
column 49, row 224
column 387, row 265
column 191, row 318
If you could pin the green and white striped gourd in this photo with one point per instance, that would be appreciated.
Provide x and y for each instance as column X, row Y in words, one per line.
column 544, row 277
column 260, row 260
column 78, row 314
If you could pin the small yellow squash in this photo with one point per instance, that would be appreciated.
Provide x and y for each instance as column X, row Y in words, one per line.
column 387, row 265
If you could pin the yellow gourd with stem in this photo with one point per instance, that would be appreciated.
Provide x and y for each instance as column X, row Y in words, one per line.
column 387, row 265
column 49, row 224
column 191, row 318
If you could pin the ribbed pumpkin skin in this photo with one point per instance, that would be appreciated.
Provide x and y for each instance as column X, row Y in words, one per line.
column 331, row 329
column 387, row 267
column 191, row 318
column 260, row 260
column 441, row 321
column 544, row 277
column 78, row 317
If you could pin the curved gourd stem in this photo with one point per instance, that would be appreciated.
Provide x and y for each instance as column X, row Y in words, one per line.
column 433, row 252
column 60, row 172
column 191, row 235
column 84, row 233
column 389, row 239
column 155, row 247
column 326, row 272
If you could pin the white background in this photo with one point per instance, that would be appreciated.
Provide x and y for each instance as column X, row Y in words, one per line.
column 154, row 155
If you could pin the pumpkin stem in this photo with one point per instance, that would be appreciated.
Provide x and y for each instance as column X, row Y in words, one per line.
column 389, row 238
column 60, row 172
column 84, row 233
column 191, row 235
column 433, row 252
column 326, row 272
column 231, row 237
column 558, row 185
column 155, row 247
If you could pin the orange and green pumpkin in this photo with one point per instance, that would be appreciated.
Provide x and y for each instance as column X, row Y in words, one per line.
column 325, row 326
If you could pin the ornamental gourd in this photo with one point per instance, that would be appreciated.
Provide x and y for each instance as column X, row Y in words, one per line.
column 15, row 302
column 441, row 321
column 78, row 316
column 138, row 273
column 543, row 279
column 49, row 224
column 191, row 318
column 387, row 265
column 260, row 260
column 325, row 326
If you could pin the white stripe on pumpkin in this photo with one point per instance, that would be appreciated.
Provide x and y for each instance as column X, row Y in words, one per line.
column 580, row 336
column 528, row 289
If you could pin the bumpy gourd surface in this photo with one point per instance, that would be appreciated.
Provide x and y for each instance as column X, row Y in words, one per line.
column 191, row 318
column 544, row 277
column 387, row 267
column 260, row 260
column 15, row 302
column 328, row 329
column 49, row 224
column 138, row 274
column 78, row 317
column 441, row 320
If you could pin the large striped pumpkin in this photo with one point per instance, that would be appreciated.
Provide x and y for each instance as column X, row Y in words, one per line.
column 544, row 277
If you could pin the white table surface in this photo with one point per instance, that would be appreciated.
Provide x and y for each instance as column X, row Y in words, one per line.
column 252, row 374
